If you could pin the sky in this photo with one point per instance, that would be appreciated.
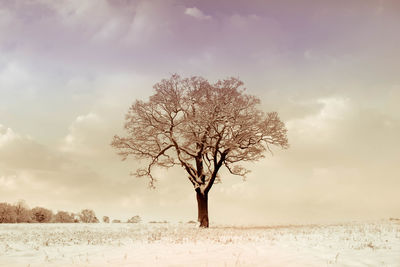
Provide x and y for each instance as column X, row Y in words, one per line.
column 69, row 70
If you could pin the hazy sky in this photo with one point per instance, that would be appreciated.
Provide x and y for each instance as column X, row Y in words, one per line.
column 70, row 69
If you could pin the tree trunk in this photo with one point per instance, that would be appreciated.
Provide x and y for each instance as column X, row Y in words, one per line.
column 202, row 205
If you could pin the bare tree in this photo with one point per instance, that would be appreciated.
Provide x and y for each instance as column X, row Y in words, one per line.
column 201, row 127
column 23, row 212
column 64, row 217
column 42, row 215
column 7, row 213
column 88, row 216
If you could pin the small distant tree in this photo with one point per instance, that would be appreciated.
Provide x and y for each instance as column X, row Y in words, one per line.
column 88, row 216
column 7, row 213
column 42, row 215
column 116, row 221
column 106, row 219
column 201, row 127
column 135, row 219
column 63, row 217
column 24, row 214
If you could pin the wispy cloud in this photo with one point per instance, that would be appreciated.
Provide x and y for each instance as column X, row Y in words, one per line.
column 197, row 13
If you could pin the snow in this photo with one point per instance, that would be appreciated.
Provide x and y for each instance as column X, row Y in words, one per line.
column 351, row 244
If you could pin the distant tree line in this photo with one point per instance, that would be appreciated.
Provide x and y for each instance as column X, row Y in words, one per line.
column 21, row 213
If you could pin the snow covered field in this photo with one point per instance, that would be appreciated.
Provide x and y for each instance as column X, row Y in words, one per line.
column 355, row 244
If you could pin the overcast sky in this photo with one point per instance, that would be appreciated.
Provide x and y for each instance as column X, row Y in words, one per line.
column 70, row 69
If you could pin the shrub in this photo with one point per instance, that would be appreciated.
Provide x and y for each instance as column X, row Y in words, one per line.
column 42, row 215
column 64, row 217
column 88, row 216
column 135, row 219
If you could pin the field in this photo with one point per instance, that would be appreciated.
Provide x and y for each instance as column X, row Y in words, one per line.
column 353, row 244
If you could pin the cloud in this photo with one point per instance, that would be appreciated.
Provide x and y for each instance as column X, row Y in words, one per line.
column 36, row 172
column 15, row 78
column 21, row 152
column 341, row 132
column 83, row 134
column 8, row 182
column 146, row 36
column 6, row 135
column 196, row 13
column 321, row 124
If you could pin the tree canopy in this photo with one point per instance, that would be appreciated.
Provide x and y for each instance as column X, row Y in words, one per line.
column 201, row 127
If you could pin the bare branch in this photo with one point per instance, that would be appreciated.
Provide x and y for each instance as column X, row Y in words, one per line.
column 200, row 126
